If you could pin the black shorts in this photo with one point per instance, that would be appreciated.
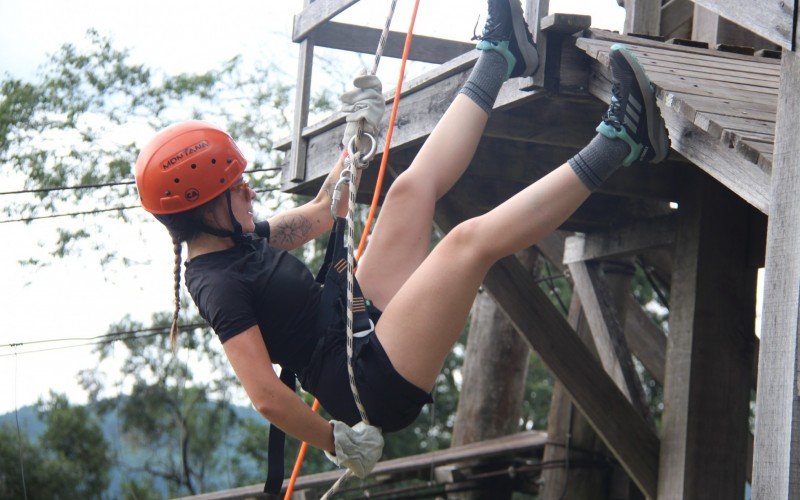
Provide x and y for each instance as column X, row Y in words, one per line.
column 391, row 402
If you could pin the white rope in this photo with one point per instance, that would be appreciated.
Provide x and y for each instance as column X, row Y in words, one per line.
column 353, row 163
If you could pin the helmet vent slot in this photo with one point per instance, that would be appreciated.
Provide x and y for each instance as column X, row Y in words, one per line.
column 177, row 180
column 194, row 166
column 222, row 181
column 213, row 161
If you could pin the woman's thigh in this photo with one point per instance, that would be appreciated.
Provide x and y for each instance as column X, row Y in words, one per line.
column 400, row 241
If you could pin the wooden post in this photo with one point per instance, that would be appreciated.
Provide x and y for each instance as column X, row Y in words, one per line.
column 302, row 97
column 494, row 371
column 709, row 27
column 643, row 17
column 536, row 10
column 709, row 348
column 569, row 430
column 777, row 446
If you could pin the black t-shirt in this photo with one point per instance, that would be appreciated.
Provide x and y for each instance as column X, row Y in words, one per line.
column 256, row 284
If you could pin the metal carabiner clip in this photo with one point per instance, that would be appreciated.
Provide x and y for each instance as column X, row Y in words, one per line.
column 344, row 178
column 364, row 158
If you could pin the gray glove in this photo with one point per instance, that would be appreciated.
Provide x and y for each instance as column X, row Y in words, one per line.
column 358, row 448
column 364, row 101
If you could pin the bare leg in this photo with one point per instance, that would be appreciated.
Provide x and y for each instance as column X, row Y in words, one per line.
column 431, row 307
column 401, row 239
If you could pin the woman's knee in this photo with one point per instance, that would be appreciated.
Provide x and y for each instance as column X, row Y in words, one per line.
column 412, row 188
column 468, row 238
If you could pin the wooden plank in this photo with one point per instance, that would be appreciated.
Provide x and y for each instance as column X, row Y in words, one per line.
column 458, row 65
column 643, row 16
column 676, row 18
column 365, row 40
column 690, row 52
column 522, row 443
column 302, row 97
column 633, row 239
column 646, row 339
column 777, row 446
column 707, row 388
column 715, row 124
column 623, row 430
column 771, row 19
column 317, row 14
column 607, row 333
column 724, row 164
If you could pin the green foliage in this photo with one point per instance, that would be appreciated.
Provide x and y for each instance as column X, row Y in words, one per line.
column 168, row 409
column 71, row 459
column 75, row 440
column 83, row 118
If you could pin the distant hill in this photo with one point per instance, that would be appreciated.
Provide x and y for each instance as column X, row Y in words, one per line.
column 32, row 426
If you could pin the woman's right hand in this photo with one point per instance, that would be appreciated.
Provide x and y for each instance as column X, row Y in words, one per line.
column 358, row 448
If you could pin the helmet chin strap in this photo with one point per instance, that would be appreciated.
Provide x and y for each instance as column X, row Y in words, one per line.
column 237, row 235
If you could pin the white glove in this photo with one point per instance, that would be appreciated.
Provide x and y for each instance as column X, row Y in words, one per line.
column 364, row 101
column 358, row 448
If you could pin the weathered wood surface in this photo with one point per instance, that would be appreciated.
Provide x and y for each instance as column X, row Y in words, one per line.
column 777, row 446
column 636, row 238
column 676, row 19
column 494, row 375
column 707, row 387
column 315, row 15
column 521, row 444
column 305, row 66
column 700, row 140
column 643, row 16
column 625, row 432
column 362, row 39
column 607, row 332
column 771, row 19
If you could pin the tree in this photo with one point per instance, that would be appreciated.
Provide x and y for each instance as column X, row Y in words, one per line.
column 71, row 459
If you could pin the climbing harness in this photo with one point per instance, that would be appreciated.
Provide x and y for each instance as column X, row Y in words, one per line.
column 354, row 161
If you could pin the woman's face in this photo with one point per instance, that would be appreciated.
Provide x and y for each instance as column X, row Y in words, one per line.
column 241, row 203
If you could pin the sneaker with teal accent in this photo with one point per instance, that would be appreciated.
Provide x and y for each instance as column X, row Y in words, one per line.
column 633, row 115
column 507, row 32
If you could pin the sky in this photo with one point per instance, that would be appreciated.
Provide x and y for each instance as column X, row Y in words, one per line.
column 75, row 297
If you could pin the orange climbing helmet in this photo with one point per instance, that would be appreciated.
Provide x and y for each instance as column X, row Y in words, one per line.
column 186, row 165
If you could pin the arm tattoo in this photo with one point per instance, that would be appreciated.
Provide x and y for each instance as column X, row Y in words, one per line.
column 291, row 231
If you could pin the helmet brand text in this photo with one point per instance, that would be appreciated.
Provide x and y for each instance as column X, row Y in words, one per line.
column 183, row 154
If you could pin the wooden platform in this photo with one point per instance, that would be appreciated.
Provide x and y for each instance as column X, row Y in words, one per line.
column 717, row 104
column 515, row 455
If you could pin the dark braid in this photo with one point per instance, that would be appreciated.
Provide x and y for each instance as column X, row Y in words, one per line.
column 182, row 227
column 173, row 332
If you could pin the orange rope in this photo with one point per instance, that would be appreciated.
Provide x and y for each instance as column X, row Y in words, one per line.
column 372, row 209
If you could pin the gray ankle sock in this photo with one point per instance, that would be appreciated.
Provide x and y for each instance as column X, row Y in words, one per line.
column 596, row 162
column 486, row 79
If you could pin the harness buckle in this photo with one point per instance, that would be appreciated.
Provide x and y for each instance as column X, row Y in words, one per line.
column 364, row 333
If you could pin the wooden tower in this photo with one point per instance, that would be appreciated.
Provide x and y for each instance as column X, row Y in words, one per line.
column 728, row 78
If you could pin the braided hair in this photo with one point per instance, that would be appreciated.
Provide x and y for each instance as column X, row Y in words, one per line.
column 183, row 227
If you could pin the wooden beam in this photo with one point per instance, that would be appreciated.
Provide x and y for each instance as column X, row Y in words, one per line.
column 315, row 15
column 305, row 67
column 712, row 311
column 554, row 37
column 365, row 40
column 607, row 332
column 710, row 27
column 676, row 19
column 623, row 430
column 646, row 339
column 777, row 446
column 643, row 17
column 771, row 19
column 630, row 240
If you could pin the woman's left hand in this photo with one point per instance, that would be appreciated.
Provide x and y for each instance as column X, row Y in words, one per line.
column 365, row 102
